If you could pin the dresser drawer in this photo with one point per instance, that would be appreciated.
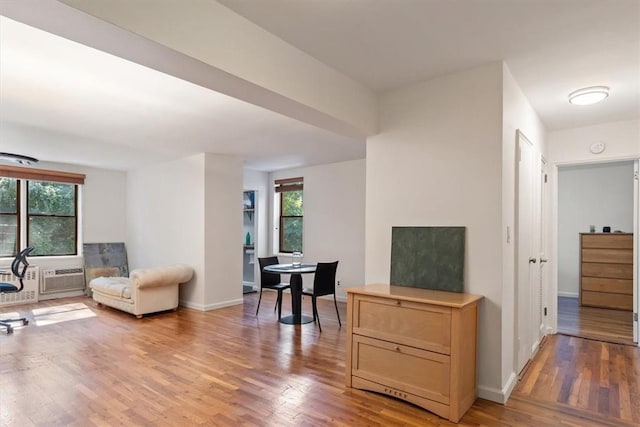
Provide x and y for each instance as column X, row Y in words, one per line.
column 614, row 256
column 406, row 369
column 614, row 286
column 414, row 324
column 614, row 271
column 607, row 300
column 611, row 241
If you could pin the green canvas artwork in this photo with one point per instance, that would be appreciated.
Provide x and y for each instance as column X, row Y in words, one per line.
column 428, row 257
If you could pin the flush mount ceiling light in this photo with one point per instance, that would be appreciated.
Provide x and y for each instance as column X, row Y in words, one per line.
column 18, row 158
column 588, row 95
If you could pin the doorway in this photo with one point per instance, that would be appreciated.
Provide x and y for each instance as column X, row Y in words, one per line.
column 596, row 251
column 249, row 211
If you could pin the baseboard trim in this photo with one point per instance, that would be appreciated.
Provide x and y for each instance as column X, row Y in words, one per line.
column 568, row 294
column 496, row 395
column 209, row 307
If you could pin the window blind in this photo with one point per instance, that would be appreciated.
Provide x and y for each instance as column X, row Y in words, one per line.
column 289, row 184
column 41, row 175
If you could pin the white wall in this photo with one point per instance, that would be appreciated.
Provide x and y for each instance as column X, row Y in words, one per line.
column 222, row 231
column 517, row 114
column 622, row 140
column 190, row 211
column 594, row 194
column 334, row 213
column 165, row 217
column 104, row 206
column 437, row 161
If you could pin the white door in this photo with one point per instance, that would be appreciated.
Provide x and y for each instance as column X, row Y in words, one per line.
column 526, row 256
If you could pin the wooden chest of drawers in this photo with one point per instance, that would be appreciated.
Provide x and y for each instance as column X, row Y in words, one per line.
column 414, row 344
column 606, row 270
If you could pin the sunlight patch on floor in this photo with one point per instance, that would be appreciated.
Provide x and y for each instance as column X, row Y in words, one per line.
column 61, row 313
column 9, row 315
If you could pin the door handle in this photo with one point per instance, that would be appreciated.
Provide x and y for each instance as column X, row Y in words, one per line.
column 532, row 260
column 543, row 260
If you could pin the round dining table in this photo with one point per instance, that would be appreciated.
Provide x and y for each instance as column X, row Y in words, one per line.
column 296, row 271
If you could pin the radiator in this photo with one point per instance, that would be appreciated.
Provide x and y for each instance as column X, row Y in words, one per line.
column 28, row 294
column 62, row 280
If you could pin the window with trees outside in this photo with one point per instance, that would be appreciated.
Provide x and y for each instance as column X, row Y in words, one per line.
column 49, row 222
column 51, row 218
column 291, row 214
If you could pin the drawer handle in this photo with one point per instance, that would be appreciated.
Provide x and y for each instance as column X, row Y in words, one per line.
column 397, row 348
column 398, row 302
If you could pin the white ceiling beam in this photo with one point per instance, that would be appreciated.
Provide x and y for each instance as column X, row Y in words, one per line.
column 207, row 44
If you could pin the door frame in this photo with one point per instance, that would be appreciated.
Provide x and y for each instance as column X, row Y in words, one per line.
column 255, row 238
column 552, row 302
column 543, row 255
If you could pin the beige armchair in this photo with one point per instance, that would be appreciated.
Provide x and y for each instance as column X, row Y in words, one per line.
column 146, row 290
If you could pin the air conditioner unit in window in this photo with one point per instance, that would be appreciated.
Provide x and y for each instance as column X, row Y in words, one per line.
column 28, row 294
column 62, row 280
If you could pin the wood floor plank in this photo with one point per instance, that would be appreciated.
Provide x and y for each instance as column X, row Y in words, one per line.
column 228, row 367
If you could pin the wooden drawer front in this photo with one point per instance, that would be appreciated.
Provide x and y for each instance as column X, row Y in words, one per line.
column 419, row 372
column 418, row 325
column 612, row 241
column 605, row 299
column 614, row 286
column 614, row 271
column 615, row 256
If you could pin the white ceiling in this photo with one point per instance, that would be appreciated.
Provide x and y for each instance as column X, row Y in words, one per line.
column 552, row 47
column 57, row 95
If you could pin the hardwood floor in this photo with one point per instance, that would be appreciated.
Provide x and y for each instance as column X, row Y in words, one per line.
column 82, row 365
column 583, row 375
column 602, row 324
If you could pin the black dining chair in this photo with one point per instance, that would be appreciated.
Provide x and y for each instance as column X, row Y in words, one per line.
column 19, row 269
column 324, row 283
column 271, row 281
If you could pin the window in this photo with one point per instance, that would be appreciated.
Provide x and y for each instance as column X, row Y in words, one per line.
column 48, row 220
column 51, row 212
column 9, row 215
column 291, row 214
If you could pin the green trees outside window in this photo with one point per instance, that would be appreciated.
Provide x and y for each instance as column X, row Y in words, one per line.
column 291, row 221
column 51, row 217
column 8, row 217
column 51, row 213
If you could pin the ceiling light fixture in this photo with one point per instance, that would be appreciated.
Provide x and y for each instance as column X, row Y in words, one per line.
column 588, row 95
column 18, row 158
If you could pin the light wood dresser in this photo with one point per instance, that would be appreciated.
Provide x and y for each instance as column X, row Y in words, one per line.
column 415, row 344
column 606, row 270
